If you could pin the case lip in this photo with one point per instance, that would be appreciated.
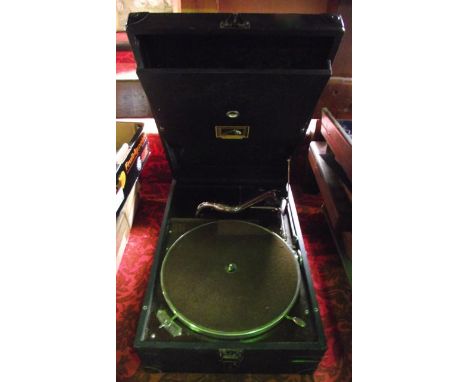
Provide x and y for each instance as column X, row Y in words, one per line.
column 140, row 21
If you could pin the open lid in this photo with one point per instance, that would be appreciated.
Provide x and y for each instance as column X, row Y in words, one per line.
column 233, row 95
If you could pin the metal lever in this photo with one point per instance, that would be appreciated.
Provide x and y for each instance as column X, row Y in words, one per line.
column 168, row 323
column 236, row 209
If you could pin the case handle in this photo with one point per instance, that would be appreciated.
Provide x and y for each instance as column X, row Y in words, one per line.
column 234, row 21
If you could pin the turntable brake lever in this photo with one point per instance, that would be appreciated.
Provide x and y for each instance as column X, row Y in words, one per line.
column 168, row 323
column 236, row 209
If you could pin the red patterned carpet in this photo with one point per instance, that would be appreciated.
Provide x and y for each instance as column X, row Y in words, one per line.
column 125, row 62
column 332, row 287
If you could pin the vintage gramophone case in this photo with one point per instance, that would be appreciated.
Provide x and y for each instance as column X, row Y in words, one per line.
column 230, row 288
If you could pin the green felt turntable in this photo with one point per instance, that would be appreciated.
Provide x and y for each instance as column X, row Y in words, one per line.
column 230, row 279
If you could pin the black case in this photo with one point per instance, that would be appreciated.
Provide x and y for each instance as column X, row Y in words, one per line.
column 232, row 96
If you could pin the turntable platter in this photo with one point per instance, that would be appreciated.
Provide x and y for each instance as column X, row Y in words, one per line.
column 230, row 279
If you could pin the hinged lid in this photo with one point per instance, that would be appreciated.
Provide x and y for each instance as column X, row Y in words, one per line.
column 232, row 95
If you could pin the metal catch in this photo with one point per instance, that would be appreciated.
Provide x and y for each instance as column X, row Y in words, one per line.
column 231, row 356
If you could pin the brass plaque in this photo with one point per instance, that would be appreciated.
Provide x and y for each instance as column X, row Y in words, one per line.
column 232, row 132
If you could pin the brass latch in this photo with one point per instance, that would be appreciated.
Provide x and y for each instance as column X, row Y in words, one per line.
column 232, row 132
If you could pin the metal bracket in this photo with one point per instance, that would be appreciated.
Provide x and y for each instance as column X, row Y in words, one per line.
column 299, row 256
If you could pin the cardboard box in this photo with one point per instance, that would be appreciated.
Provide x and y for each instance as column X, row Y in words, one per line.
column 132, row 151
column 125, row 221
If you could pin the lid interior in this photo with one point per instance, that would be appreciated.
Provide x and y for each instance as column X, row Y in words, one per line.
column 243, row 51
column 195, row 74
